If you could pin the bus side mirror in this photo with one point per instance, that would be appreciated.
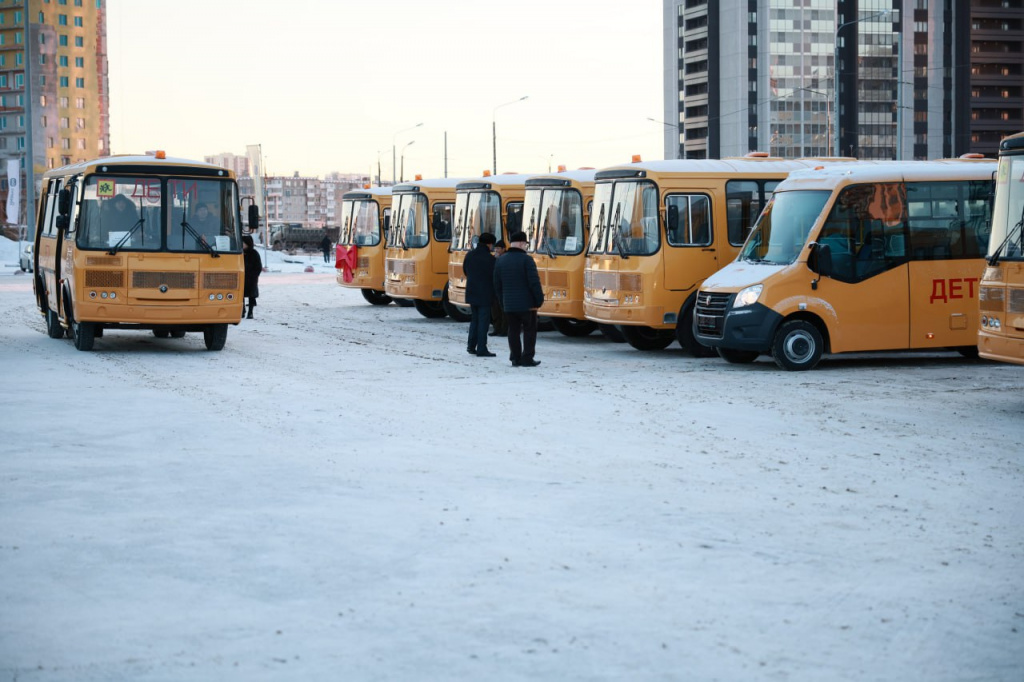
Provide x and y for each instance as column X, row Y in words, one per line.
column 64, row 202
column 63, row 222
column 254, row 218
column 672, row 218
column 820, row 262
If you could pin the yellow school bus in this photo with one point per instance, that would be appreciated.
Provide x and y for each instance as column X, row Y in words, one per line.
column 139, row 242
column 1001, row 335
column 868, row 257
column 556, row 219
column 489, row 204
column 658, row 229
column 416, row 262
column 364, row 220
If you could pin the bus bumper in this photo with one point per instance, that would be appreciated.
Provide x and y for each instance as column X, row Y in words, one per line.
column 1000, row 348
column 749, row 328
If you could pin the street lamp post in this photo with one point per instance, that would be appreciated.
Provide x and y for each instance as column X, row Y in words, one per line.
column 835, row 69
column 393, row 145
column 402, row 176
column 494, row 131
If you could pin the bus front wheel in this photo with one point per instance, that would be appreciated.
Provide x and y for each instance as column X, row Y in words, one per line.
column 737, row 357
column 686, row 337
column 572, row 327
column 429, row 309
column 374, row 297
column 53, row 328
column 456, row 312
column 215, row 336
column 647, row 338
column 797, row 346
column 83, row 334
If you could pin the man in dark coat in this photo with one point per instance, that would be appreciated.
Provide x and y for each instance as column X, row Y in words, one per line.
column 253, row 269
column 517, row 286
column 478, row 267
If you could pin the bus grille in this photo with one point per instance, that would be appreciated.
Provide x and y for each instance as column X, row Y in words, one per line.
column 1016, row 305
column 612, row 281
column 220, row 280
column 556, row 278
column 401, row 267
column 991, row 299
column 710, row 312
column 363, row 262
column 106, row 279
column 173, row 280
column 455, row 271
column 110, row 261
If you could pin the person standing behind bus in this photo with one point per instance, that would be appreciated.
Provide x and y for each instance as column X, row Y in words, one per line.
column 518, row 287
column 478, row 266
column 325, row 246
column 497, row 314
column 253, row 268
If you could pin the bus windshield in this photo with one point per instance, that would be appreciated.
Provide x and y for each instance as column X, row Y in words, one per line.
column 152, row 214
column 360, row 225
column 553, row 221
column 410, row 225
column 779, row 241
column 627, row 219
column 1007, row 238
column 475, row 213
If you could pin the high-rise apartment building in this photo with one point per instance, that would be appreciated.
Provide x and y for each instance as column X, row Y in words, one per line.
column 54, row 94
column 915, row 79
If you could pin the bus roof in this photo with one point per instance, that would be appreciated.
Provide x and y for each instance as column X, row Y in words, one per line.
column 830, row 177
column 708, row 166
column 495, row 181
column 433, row 183
column 162, row 165
column 366, row 193
column 581, row 176
column 1013, row 144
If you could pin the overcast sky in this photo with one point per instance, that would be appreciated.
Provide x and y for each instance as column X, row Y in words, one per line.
column 332, row 86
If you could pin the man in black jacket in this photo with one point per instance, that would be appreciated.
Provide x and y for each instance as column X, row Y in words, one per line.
column 478, row 266
column 517, row 285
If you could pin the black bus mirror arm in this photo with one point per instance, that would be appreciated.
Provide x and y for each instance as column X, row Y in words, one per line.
column 819, row 261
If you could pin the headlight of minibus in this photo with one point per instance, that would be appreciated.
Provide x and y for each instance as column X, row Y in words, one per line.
column 747, row 296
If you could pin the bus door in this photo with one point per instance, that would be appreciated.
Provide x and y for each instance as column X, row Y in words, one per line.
column 441, row 220
column 866, row 234
column 948, row 237
column 690, row 254
column 47, row 247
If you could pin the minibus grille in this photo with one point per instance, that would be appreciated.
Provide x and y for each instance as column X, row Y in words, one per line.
column 710, row 312
column 1016, row 304
column 401, row 267
column 109, row 261
column 363, row 262
column 220, row 280
column 173, row 280
column 106, row 279
column 612, row 281
column 991, row 299
column 556, row 278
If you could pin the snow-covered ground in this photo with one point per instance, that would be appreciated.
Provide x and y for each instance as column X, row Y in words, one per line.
column 343, row 493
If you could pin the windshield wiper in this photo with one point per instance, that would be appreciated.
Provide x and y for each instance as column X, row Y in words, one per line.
column 124, row 240
column 199, row 238
column 548, row 250
column 623, row 253
column 994, row 260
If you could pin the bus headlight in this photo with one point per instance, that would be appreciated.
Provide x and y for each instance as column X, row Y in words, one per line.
column 747, row 296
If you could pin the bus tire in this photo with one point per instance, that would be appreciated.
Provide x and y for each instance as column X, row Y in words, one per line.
column 177, row 334
column 215, row 336
column 403, row 302
column 611, row 332
column 736, row 356
column 456, row 312
column 161, row 333
column 429, row 309
column 647, row 338
column 545, row 323
column 686, row 337
column 797, row 346
column 83, row 334
column 572, row 327
column 53, row 328
column 374, row 297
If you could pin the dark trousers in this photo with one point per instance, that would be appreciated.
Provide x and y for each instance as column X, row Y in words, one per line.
column 479, row 324
column 498, row 317
column 522, row 335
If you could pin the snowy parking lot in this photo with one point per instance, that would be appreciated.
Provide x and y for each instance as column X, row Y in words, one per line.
column 343, row 493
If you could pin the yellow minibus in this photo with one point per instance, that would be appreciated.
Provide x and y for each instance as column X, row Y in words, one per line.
column 492, row 203
column 658, row 229
column 865, row 257
column 364, row 220
column 556, row 219
column 139, row 242
column 416, row 261
column 1001, row 299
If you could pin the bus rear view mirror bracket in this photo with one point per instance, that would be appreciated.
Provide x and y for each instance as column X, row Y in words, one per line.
column 820, row 262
